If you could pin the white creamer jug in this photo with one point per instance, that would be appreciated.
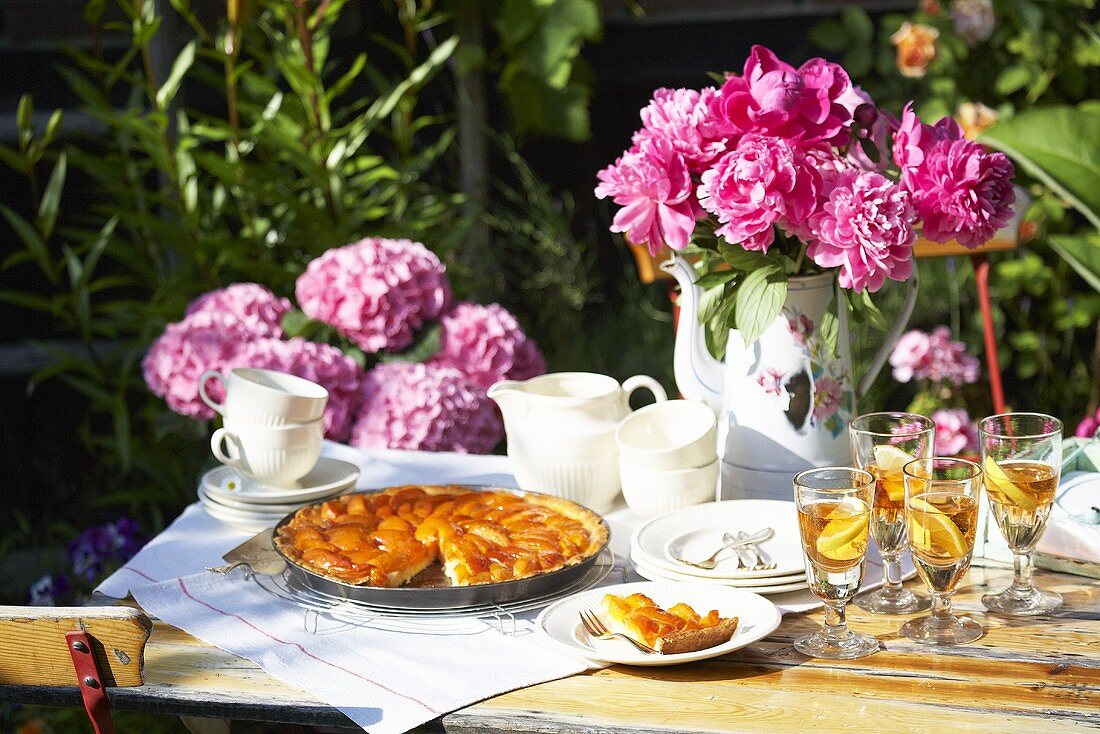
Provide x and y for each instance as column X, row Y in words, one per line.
column 561, row 432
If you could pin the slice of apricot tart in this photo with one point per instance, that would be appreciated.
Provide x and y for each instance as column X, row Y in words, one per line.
column 674, row 630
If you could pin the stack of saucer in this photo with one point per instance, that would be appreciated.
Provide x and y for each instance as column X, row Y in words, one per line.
column 249, row 505
column 694, row 533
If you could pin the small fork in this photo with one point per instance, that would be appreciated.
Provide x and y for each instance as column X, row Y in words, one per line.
column 595, row 628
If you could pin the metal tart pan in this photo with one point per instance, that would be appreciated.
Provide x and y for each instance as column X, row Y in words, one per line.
column 426, row 595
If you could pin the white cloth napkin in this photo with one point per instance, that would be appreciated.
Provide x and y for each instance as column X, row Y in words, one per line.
column 1065, row 536
column 387, row 676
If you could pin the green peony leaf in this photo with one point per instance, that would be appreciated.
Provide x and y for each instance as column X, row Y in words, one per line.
column 1082, row 252
column 424, row 348
column 760, row 298
column 829, row 329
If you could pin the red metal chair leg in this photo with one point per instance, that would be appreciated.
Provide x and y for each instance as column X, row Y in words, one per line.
column 993, row 363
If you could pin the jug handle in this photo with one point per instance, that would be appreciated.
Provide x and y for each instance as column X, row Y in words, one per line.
column 892, row 337
column 639, row 381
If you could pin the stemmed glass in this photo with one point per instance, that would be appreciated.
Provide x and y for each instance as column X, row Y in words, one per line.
column 883, row 443
column 834, row 511
column 1022, row 458
column 941, row 518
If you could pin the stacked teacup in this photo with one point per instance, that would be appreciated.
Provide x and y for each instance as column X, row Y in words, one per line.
column 270, row 444
column 668, row 457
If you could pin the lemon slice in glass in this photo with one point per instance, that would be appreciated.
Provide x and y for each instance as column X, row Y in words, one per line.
column 932, row 532
column 1002, row 485
column 844, row 537
column 889, row 462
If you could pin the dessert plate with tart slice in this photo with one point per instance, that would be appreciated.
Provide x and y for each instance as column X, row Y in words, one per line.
column 756, row 618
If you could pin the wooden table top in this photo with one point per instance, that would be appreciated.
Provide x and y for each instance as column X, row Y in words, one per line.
column 1039, row 674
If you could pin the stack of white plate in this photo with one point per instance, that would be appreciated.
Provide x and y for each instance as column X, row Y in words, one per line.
column 694, row 533
column 248, row 505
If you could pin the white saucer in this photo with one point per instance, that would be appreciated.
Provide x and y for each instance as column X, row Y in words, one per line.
column 696, row 532
column 328, row 477
column 753, row 584
column 252, row 507
column 653, row 574
column 254, row 521
column 560, row 622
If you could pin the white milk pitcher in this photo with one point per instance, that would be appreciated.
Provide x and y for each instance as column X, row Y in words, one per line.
column 561, row 432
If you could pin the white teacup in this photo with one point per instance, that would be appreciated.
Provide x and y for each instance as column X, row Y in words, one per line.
column 652, row 492
column 676, row 434
column 276, row 456
column 255, row 397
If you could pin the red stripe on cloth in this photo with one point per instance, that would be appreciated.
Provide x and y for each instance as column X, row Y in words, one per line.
column 304, row 651
column 140, row 573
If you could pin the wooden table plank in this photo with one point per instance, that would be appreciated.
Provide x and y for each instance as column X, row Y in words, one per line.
column 1025, row 675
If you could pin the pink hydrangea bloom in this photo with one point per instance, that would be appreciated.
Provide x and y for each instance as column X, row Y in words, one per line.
column 679, row 117
column 1088, row 425
column 864, row 226
column 408, row 405
column 933, row 356
column 377, row 291
column 774, row 98
column 955, row 432
column 763, row 182
column 486, row 344
column 260, row 310
column 206, row 340
column 827, row 392
column 652, row 184
column 321, row 363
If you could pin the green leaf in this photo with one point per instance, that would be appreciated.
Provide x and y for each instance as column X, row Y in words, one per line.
column 717, row 329
column 829, row 329
column 858, row 24
column 760, row 298
column 51, row 198
column 829, row 35
column 23, row 120
column 741, row 259
column 710, row 280
column 295, row 323
column 1013, row 79
column 180, row 67
column 710, row 302
column 424, row 348
column 1082, row 252
column 1060, row 146
column 421, row 74
column 33, row 242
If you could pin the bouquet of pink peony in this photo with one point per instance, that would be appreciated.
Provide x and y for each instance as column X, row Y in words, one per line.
column 404, row 367
column 782, row 172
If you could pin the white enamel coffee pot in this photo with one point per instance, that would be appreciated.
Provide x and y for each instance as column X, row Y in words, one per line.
column 561, row 432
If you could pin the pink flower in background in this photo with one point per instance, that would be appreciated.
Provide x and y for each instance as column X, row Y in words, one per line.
column 933, row 356
column 865, row 227
column 762, row 183
column 678, row 116
column 206, row 340
column 408, row 405
column 974, row 20
column 487, row 345
column 827, row 392
column 377, row 291
column 260, row 310
column 774, row 98
column 1088, row 425
column 321, row 363
column 652, row 184
column 955, row 432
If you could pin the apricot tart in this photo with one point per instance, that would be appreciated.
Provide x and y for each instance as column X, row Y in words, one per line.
column 677, row 629
column 384, row 539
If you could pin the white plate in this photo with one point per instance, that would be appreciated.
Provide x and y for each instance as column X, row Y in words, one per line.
column 325, row 479
column 561, row 623
column 734, row 583
column 647, row 572
column 236, row 504
column 695, row 532
column 219, row 510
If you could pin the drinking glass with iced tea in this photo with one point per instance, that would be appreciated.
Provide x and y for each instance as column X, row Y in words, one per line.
column 834, row 512
column 1022, row 459
column 883, row 443
column 941, row 519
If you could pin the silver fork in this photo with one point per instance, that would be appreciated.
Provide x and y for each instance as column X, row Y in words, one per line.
column 728, row 541
column 763, row 562
column 595, row 628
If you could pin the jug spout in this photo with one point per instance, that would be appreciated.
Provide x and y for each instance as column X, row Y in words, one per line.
column 510, row 397
column 699, row 376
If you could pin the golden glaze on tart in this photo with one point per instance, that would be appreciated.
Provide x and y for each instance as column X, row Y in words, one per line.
column 678, row 629
column 479, row 537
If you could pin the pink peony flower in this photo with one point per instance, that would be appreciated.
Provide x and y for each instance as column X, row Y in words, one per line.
column 955, row 432
column 205, row 340
column 933, row 356
column 377, row 291
column 679, row 117
column 763, row 182
column 827, row 392
column 258, row 308
column 652, row 184
column 321, row 363
column 773, row 98
column 1088, row 425
column 864, row 226
column 422, row 407
column 486, row 344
